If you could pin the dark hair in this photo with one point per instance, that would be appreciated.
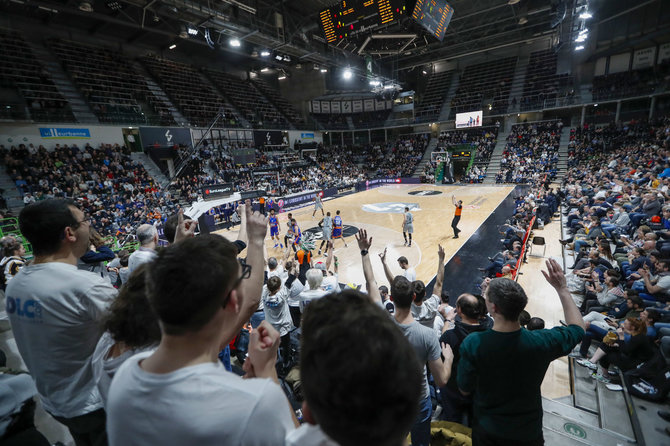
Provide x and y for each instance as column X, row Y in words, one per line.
column 470, row 306
column 508, row 296
column 402, row 292
column 347, row 398
column 170, row 227
column 613, row 273
column 43, row 223
column 274, row 283
column 10, row 244
column 637, row 301
column 653, row 314
column 444, row 296
column 524, row 318
column 131, row 319
column 419, row 290
column 202, row 268
column 403, row 259
column 664, row 263
column 535, row 323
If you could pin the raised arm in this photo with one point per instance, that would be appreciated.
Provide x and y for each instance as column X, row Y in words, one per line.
column 453, row 200
column 387, row 270
column 439, row 279
column 364, row 245
column 556, row 278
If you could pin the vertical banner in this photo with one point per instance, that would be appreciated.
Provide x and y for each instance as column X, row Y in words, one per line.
column 357, row 106
column 644, row 58
column 368, row 67
column 619, row 63
column 346, row 107
column 389, row 104
column 335, row 107
column 316, row 106
column 380, row 105
column 325, row 106
column 369, row 105
column 663, row 52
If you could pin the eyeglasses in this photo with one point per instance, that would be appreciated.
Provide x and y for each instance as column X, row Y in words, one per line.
column 246, row 273
column 87, row 219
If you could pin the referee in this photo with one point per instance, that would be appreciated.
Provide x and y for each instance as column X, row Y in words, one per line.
column 457, row 215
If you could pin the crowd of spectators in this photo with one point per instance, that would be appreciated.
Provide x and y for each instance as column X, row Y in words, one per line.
column 116, row 191
column 618, row 224
column 631, row 83
column 531, row 153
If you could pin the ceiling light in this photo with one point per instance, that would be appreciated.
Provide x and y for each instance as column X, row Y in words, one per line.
column 265, row 53
column 324, row 70
column 388, row 87
column 265, row 70
column 183, row 32
column 279, row 57
column 513, row 2
column 579, row 48
column 580, row 38
column 375, row 83
column 585, row 15
column 173, row 46
column 523, row 20
column 424, row 71
column 583, row 31
column 235, row 42
column 595, row 105
column 281, row 77
column 347, row 74
column 192, row 30
column 114, row 5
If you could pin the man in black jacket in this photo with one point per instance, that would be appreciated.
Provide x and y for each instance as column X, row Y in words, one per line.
column 472, row 317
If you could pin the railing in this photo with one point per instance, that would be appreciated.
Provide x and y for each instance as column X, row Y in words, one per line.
column 524, row 246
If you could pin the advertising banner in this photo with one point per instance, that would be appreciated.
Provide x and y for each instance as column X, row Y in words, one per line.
column 165, row 136
column 264, row 138
column 217, row 191
column 54, row 133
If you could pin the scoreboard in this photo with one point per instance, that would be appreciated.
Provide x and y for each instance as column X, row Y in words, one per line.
column 434, row 15
column 351, row 17
column 461, row 154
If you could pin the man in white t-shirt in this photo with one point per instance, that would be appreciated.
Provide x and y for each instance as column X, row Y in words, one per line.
column 147, row 235
column 181, row 394
column 424, row 310
column 313, row 288
column 407, row 272
column 56, row 313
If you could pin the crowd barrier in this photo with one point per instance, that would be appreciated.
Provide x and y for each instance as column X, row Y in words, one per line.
column 524, row 246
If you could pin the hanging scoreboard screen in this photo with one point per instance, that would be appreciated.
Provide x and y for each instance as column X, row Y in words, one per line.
column 461, row 154
column 351, row 17
column 434, row 15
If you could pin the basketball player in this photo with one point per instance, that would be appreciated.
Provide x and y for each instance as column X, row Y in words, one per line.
column 326, row 225
column 289, row 230
column 297, row 234
column 318, row 204
column 457, row 215
column 408, row 226
column 337, row 228
column 274, row 228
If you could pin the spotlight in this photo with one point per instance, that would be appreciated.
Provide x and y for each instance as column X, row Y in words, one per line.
column 424, row 71
column 347, row 74
column 281, row 77
column 585, row 15
column 388, row 87
column 324, row 70
column 173, row 46
column 192, row 30
column 265, row 70
column 235, row 42
column 279, row 57
column 579, row 48
column 86, row 7
column 265, row 53
column 375, row 83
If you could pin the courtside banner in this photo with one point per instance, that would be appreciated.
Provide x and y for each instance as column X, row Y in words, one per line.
column 217, row 191
column 297, row 200
column 53, row 133
column 377, row 182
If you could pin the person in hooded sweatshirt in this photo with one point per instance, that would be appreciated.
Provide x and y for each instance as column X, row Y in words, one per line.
column 471, row 312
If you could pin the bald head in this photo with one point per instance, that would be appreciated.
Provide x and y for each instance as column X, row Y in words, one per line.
column 470, row 308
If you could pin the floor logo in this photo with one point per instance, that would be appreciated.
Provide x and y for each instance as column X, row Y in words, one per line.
column 423, row 193
column 390, row 208
column 347, row 230
column 574, row 430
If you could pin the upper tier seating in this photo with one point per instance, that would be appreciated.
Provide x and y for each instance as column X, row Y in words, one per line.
column 483, row 84
column 21, row 72
column 433, row 97
column 279, row 101
column 543, row 86
column 190, row 92
column 256, row 108
column 109, row 83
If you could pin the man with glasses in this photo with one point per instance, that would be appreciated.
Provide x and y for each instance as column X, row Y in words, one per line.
column 181, row 394
column 56, row 313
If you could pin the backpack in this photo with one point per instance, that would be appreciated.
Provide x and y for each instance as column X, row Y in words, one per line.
column 650, row 380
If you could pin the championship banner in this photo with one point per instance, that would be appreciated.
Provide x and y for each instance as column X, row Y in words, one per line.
column 369, row 105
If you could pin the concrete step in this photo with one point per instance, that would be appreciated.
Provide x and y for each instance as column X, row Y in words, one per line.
column 614, row 412
column 555, row 438
column 582, row 432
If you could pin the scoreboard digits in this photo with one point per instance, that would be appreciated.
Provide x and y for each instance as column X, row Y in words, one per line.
column 350, row 17
column 434, row 15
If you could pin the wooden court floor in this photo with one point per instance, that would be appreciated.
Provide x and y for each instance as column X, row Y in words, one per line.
column 432, row 226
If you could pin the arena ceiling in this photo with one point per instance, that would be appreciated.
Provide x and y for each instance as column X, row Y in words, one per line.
column 291, row 28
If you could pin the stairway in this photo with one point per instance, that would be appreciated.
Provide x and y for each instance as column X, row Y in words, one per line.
column 11, row 193
column 236, row 112
column 494, row 163
column 518, row 83
column 350, row 123
column 593, row 415
column 158, row 92
column 446, row 106
column 562, row 165
column 425, row 160
column 150, row 167
column 80, row 109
